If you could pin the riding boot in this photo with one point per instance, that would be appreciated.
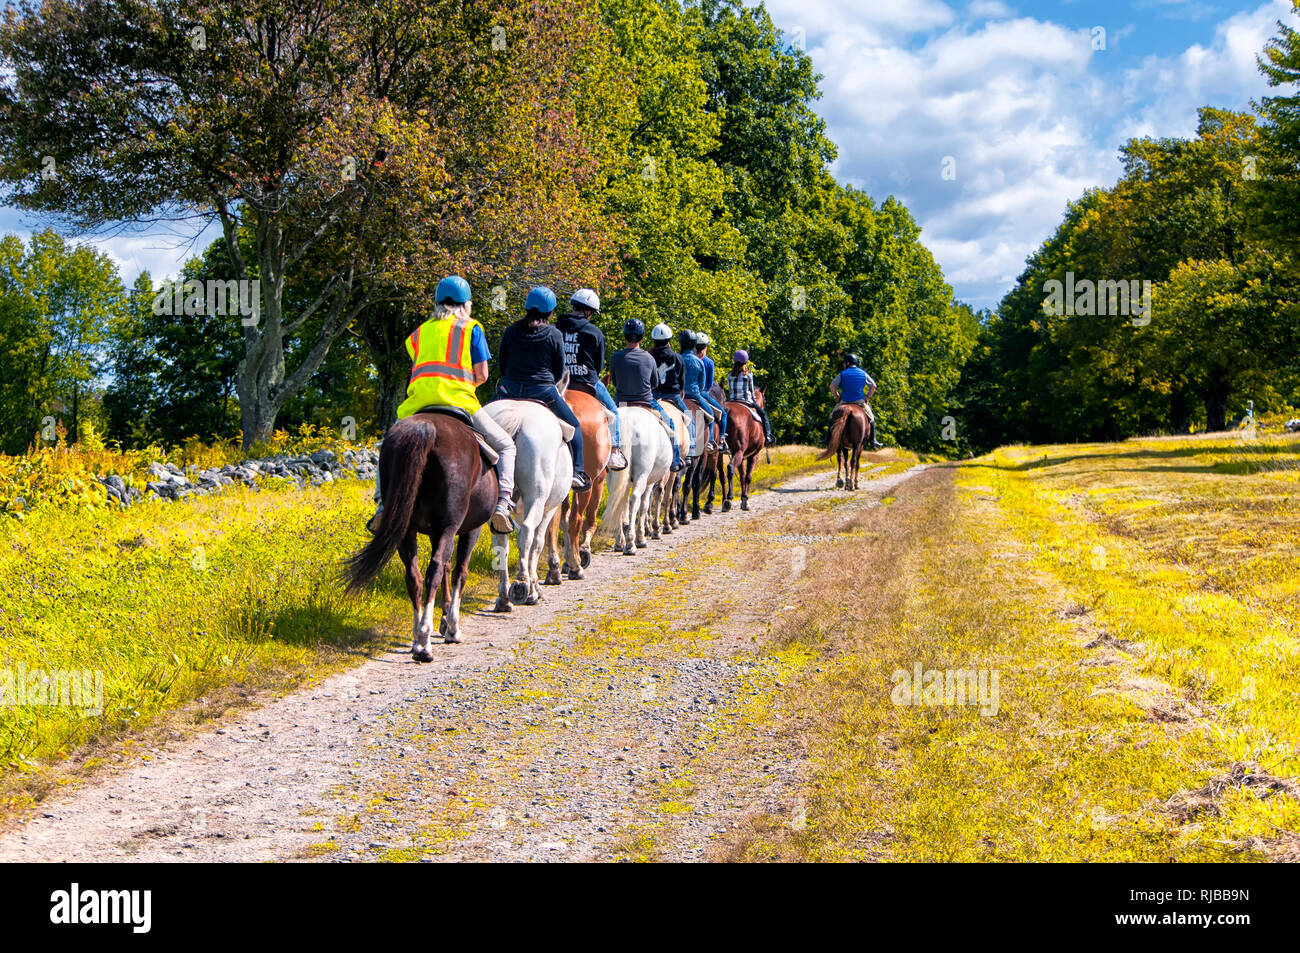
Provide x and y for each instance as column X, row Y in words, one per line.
column 677, row 459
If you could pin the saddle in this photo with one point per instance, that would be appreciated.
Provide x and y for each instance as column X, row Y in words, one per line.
column 855, row 403
column 753, row 411
column 646, row 405
column 459, row 413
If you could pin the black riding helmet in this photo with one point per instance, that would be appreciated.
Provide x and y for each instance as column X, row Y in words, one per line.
column 850, row 360
column 687, row 338
column 634, row 329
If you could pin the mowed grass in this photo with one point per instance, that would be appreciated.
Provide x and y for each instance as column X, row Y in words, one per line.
column 1136, row 601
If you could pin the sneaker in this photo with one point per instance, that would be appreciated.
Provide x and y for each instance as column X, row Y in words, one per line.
column 581, row 481
column 616, row 460
column 677, row 466
column 502, row 521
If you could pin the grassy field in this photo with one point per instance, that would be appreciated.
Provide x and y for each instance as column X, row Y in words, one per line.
column 1136, row 601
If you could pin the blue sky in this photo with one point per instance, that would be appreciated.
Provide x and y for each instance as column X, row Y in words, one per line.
column 1014, row 93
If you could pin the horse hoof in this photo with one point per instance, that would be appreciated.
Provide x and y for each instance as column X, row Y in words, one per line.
column 708, row 510
column 451, row 639
column 517, row 593
column 642, row 545
column 744, row 504
column 584, row 559
column 422, row 655
column 839, row 484
column 575, row 574
column 629, row 551
column 503, row 605
column 533, row 599
column 552, row 578
column 695, row 514
column 726, row 507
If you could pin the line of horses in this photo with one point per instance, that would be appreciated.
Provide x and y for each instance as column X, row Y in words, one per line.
column 439, row 481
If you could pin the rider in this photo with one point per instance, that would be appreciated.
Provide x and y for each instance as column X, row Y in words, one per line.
column 741, row 388
column 853, row 385
column 703, row 395
column 633, row 372
column 532, row 360
column 448, row 366
column 670, row 374
column 693, row 386
column 584, row 355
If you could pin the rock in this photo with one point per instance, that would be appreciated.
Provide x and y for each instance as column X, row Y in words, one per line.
column 165, row 490
column 322, row 457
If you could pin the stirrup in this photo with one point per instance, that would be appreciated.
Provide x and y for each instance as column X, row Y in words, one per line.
column 581, row 482
column 371, row 528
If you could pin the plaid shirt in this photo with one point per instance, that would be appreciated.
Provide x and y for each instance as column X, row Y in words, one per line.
column 741, row 387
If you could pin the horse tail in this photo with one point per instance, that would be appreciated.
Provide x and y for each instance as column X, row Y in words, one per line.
column 408, row 448
column 620, row 488
column 837, row 432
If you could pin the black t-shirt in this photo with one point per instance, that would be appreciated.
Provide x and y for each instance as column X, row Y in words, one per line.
column 670, row 371
column 633, row 373
column 531, row 355
column 584, row 349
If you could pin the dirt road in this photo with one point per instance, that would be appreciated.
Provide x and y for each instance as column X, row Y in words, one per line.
column 632, row 714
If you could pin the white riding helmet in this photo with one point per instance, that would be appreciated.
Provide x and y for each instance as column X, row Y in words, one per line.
column 701, row 338
column 587, row 298
column 661, row 332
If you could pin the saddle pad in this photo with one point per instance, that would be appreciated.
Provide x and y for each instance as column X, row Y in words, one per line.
column 506, row 413
column 489, row 455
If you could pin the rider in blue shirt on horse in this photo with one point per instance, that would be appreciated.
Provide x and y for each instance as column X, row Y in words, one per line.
column 853, row 385
column 697, row 387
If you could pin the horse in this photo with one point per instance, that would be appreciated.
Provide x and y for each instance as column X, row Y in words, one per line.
column 849, row 429
column 744, row 440
column 693, row 473
column 666, row 494
column 712, row 465
column 581, row 511
column 543, row 477
column 436, row 482
column 649, row 455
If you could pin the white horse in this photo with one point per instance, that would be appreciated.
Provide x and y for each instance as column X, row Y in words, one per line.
column 665, row 494
column 649, row 456
column 543, row 478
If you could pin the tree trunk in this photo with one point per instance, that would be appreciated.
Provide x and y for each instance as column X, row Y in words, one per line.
column 1216, row 406
column 1180, row 414
column 384, row 328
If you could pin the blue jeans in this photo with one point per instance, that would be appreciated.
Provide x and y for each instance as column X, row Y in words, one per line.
column 680, row 403
column 548, row 395
column 602, row 395
column 705, row 401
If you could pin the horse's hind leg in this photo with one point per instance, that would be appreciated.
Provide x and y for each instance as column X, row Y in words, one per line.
column 450, row 627
column 501, row 562
column 839, row 466
column 438, row 559
column 553, row 550
column 408, row 550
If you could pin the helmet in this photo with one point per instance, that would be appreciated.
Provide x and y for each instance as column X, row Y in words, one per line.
column 634, row 329
column 702, row 338
column 661, row 332
column 741, row 357
column 851, row 360
column 453, row 288
column 587, row 298
column 687, row 339
column 540, row 299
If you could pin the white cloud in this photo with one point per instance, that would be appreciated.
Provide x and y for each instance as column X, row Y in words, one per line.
column 1031, row 114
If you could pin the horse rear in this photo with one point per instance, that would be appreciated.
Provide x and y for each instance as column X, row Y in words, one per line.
column 649, row 456
column 744, row 440
column 849, row 429
column 435, row 482
column 583, row 508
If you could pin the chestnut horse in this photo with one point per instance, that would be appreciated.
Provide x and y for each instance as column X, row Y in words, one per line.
column 711, row 470
column 581, row 508
column 744, row 440
column 435, row 482
column 849, row 429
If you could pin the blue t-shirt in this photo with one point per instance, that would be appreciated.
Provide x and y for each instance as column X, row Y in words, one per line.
column 853, row 382
column 708, row 372
column 478, row 346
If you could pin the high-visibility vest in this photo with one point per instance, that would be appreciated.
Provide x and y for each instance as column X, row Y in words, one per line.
column 443, row 372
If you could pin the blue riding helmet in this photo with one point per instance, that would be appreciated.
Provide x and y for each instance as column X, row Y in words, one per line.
column 540, row 299
column 453, row 288
column 634, row 328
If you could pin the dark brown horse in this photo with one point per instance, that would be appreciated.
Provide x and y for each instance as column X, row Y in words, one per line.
column 849, row 429
column 744, row 440
column 711, row 471
column 435, row 482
